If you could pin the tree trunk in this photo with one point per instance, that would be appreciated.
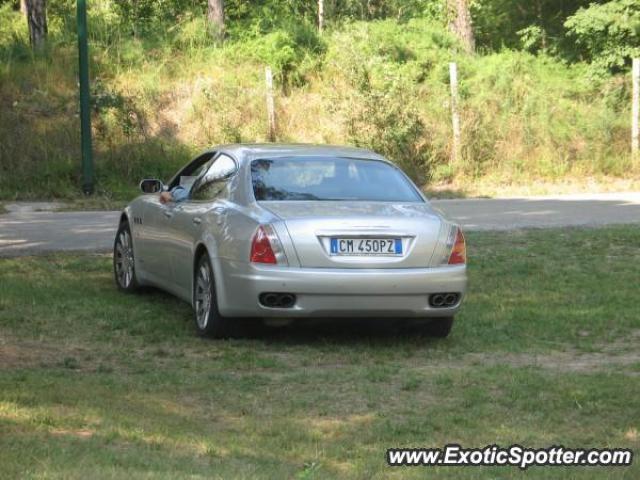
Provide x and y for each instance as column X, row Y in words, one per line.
column 460, row 23
column 23, row 7
column 215, row 17
column 37, row 19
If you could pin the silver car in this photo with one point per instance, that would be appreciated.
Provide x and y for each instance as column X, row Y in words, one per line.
column 280, row 232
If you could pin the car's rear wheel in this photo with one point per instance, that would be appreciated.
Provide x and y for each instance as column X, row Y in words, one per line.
column 124, row 268
column 439, row 327
column 209, row 322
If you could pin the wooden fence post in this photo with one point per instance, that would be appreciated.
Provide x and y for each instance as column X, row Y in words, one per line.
column 635, row 110
column 320, row 15
column 455, row 117
column 271, row 110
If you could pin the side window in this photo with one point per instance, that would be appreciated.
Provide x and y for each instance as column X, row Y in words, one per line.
column 188, row 174
column 212, row 183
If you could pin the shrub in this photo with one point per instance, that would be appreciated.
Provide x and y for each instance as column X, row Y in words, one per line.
column 388, row 66
column 292, row 52
column 384, row 85
column 609, row 33
column 14, row 39
column 388, row 123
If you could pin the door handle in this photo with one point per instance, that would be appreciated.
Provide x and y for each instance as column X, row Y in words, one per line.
column 168, row 213
column 197, row 220
column 219, row 210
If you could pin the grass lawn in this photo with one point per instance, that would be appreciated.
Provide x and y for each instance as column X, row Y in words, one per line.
column 98, row 384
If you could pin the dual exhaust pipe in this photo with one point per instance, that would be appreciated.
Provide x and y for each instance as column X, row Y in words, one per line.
column 288, row 300
column 443, row 300
column 277, row 300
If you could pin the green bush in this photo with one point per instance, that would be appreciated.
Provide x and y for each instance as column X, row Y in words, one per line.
column 387, row 122
column 388, row 66
column 536, row 26
column 609, row 33
column 14, row 39
column 522, row 114
column 292, row 52
column 161, row 95
column 191, row 33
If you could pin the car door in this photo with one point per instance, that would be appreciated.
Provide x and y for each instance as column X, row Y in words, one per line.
column 203, row 213
column 158, row 238
column 152, row 239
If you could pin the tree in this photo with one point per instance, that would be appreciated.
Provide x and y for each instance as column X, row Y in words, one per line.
column 460, row 23
column 215, row 17
column 608, row 33
column 535, row 25
column 37, row 20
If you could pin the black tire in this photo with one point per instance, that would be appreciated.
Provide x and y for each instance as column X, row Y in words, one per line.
column 206, row 316
column 124, row 268
column 439, row 327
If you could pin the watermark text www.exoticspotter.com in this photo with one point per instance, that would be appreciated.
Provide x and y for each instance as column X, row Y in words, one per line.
column 515, row 455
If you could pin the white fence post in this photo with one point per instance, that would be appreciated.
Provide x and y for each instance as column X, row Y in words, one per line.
column 271, row 110
column 635, row 109
column 455, row 117
column 320, row 15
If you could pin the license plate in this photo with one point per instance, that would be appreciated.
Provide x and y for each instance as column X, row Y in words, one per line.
column 366, row 246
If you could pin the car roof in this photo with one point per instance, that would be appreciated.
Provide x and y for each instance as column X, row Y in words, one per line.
column 271, row 150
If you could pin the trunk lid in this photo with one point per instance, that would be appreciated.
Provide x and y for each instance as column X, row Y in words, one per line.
column 338, row 234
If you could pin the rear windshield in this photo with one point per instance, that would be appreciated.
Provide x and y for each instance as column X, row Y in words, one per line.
column 330, row 178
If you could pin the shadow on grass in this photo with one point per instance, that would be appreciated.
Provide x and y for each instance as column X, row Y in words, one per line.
column 317, row 331
column 341, row 331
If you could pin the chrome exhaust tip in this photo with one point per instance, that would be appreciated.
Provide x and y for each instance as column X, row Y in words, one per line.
column 444, row 300
column 450, row 299
column 287, row 300
column 277, row 300
column 269, row 299
column 437, row 300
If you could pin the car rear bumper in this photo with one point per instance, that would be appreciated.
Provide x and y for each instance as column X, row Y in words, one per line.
column 323, row 292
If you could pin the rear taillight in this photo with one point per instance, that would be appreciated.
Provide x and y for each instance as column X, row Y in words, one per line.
column 266, row 247
column 459, row 250
column 261, row 251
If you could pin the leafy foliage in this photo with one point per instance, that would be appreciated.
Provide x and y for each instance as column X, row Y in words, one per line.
column 292, row 51
column 386, row 65
column 13, row 35
column 609, row 33
column 387, row 123
column 267, row 14
column 143, row 16
column 536, row 25
column 376, row 77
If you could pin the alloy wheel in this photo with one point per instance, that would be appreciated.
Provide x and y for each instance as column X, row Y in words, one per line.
column 124, row 259
column 203, row 295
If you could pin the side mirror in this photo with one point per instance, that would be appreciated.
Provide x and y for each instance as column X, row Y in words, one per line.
column 151, row 185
